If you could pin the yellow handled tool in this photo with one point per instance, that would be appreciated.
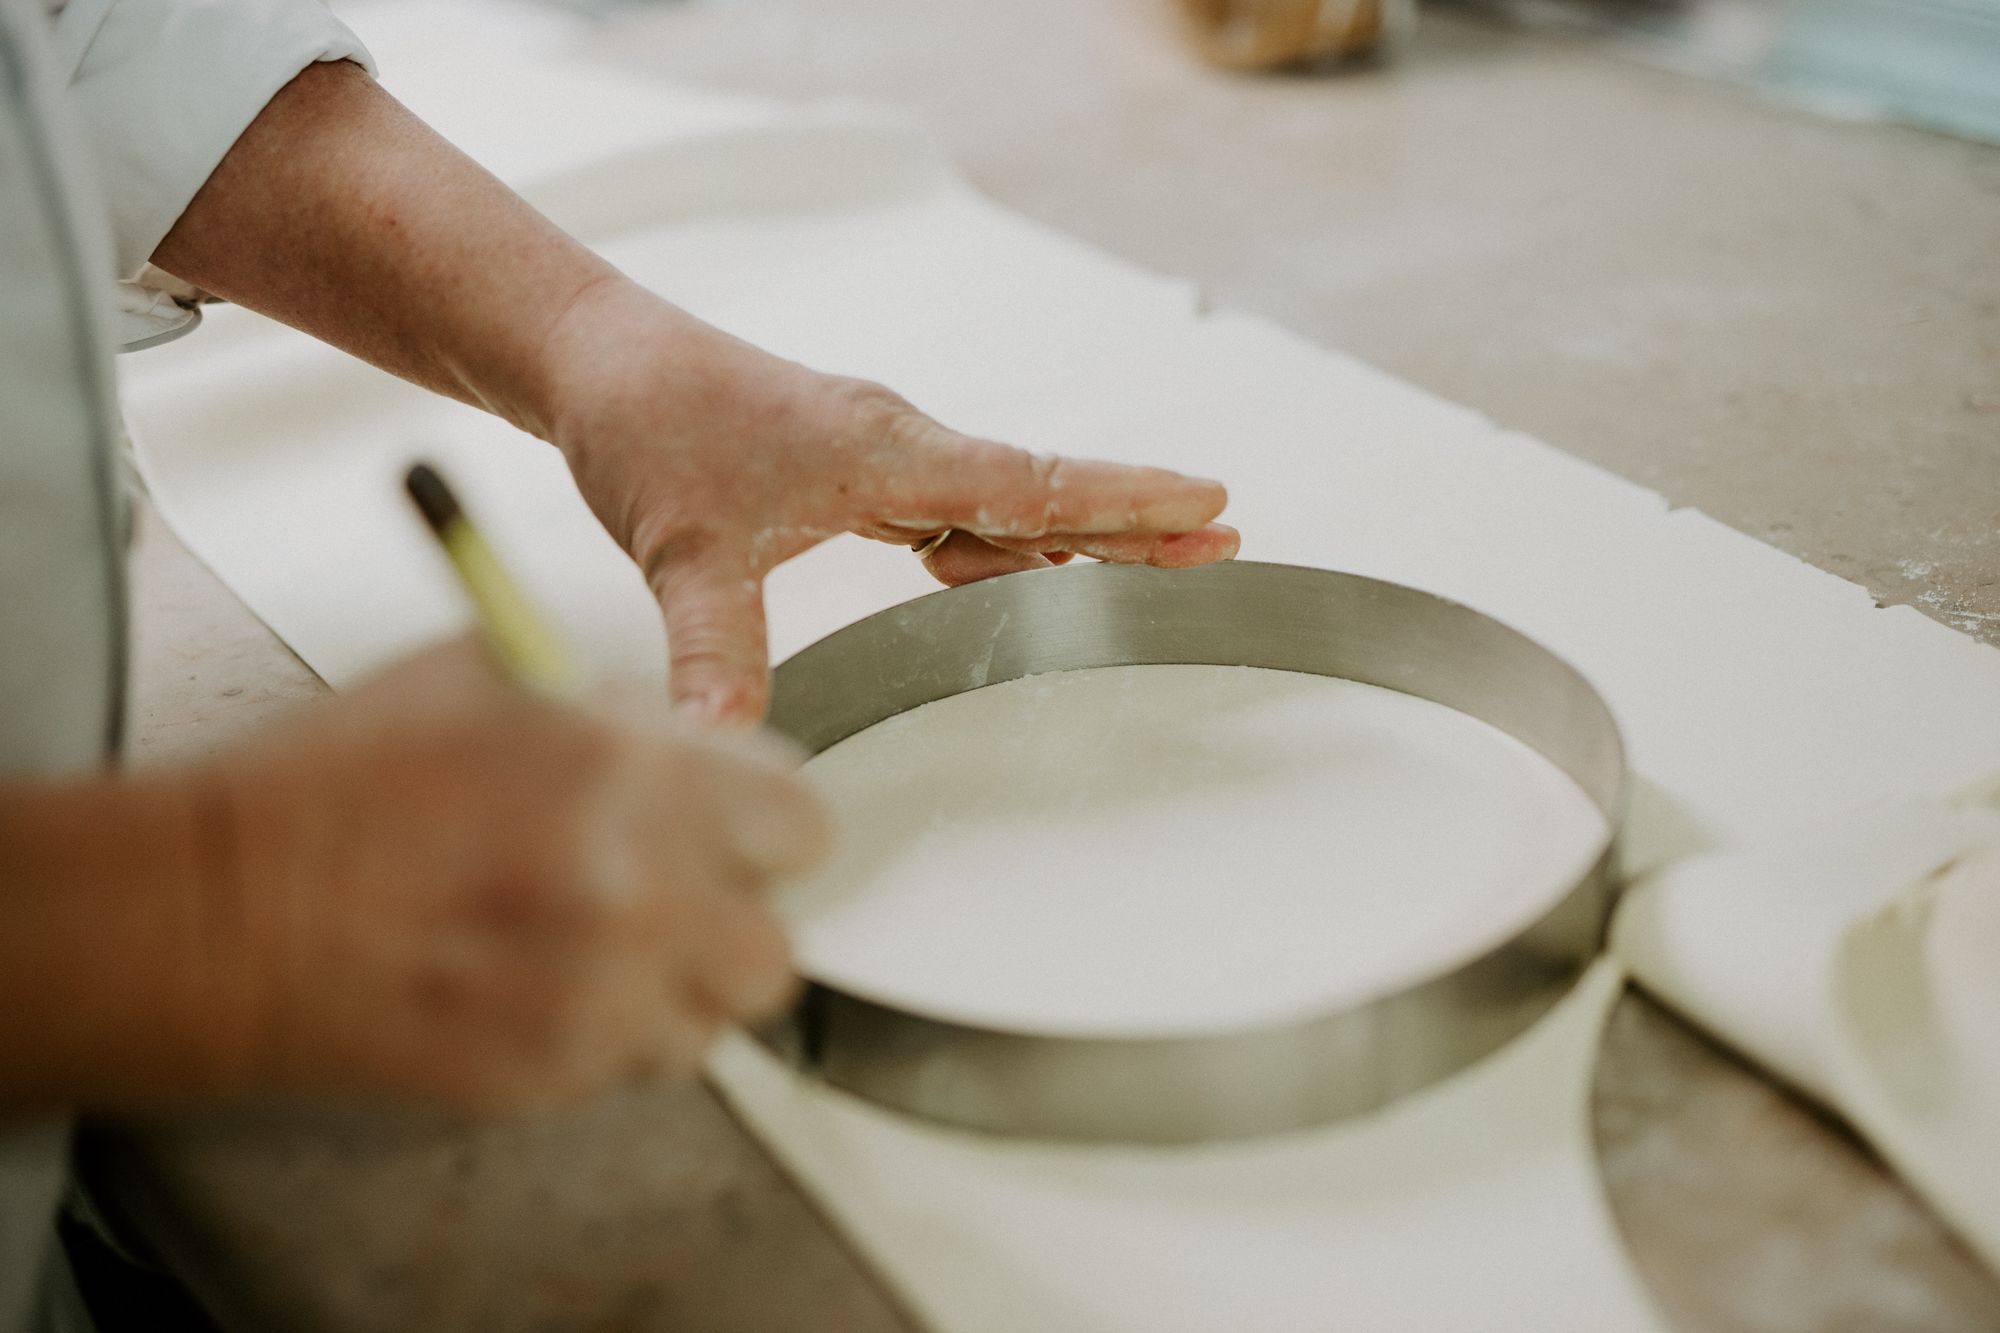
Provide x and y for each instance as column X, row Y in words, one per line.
column 527, row 649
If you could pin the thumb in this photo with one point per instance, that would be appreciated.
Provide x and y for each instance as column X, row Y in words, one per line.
column 718, row 659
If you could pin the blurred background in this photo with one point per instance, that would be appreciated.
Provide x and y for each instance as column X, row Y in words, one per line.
column 1934, row 63
column 1929, row 62
column 1741, row 252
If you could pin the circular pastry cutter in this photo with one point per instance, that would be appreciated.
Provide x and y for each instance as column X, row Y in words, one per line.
column 1187, row 1088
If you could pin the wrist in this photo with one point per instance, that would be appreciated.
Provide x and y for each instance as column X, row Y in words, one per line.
column 611, row 342
column 572, row 349
column 121, row 940
column 219, row 907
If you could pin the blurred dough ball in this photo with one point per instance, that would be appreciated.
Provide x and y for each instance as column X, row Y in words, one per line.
column 1264, row 34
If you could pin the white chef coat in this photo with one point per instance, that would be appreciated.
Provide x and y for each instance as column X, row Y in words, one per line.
column 162, row 88
column 112, row 114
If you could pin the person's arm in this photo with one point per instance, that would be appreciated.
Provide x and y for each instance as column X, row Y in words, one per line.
column 438, row 885
column 341, row 214
column 157, row 92
column 710, row 461
column 101, row 914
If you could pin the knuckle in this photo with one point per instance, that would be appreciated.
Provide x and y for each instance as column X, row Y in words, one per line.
column 701, row 649
column 902, row 429
column 874, row 414
column 699, row 639
column 865, row 397
column 1022, row 505
column 905, row 432
column 669, row 555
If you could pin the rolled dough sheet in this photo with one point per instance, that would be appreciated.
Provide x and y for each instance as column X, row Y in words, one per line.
column 1475, row 1205
column 1155, row 849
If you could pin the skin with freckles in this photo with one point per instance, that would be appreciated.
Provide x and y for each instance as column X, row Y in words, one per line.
column 709, row 460
column 706, row 518
column 438, row 885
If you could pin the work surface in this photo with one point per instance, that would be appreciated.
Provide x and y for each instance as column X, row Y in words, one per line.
column 1792, row 324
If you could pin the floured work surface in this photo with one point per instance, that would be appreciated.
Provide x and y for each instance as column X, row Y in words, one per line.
column 1752, row 689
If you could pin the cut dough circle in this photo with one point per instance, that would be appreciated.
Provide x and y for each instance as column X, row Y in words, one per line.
column 1156, row 850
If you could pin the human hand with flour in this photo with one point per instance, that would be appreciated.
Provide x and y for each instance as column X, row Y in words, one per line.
column 710, row 461
column 713, row 462
column 439, row 885
column 552, row 898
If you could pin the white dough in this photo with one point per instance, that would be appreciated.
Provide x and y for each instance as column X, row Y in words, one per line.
column 1855, row 957
column 1176, row 848
column 1472, row 1207
column 1915, row 1039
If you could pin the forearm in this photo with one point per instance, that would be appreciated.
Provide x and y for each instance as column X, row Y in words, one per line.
column 708, row 460
column 113, row 944
column 340, row 213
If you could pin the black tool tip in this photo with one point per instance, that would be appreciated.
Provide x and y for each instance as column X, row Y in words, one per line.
column 433, row 497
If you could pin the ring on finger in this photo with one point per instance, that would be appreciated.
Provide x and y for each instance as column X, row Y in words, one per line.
column 924, row 549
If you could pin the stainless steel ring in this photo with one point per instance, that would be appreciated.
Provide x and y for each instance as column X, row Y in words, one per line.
column 1177, row 1089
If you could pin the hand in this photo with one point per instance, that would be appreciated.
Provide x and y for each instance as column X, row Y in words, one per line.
column 341, row 214
column 444, row 886
column 713, row 462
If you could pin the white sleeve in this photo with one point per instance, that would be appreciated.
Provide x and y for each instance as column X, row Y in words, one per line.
column 161, row 89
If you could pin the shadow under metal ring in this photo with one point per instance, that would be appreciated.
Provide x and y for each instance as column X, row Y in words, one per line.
column 1258, row 1080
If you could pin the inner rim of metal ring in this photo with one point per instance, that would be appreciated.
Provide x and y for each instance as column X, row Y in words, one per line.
column 1178, row 1089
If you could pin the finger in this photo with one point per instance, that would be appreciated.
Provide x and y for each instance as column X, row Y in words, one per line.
column 674, row 1039
column 742, row 965
column 963, row 558
column 996, row 489
column 776, row 825
column 993, row 488
column 685, row 1041
column 717, row 654
column 1174, row 550
column 637, row 709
